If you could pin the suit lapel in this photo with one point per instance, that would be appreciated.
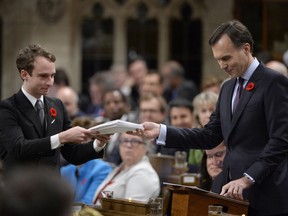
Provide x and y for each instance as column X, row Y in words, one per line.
column 27, row 109
column 50, row 120
column 246, row 96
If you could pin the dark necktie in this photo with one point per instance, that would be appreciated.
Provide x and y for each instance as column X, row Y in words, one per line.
column 238, row 93
column 40, row 111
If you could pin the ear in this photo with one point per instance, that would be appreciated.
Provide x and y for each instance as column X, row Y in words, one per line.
column 24, row 74
column 247, row 48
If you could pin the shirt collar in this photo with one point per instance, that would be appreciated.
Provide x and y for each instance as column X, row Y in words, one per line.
column 250, row 70
column 31, row 98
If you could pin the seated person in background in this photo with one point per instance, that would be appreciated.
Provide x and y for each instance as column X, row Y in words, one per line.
column 203, row 106
column 135, row 177
column 70, row 99
column 278, row 66
column 86, row 177
column 211, row 167
column 32, row 191
column 153, row 108
column 116, row 106
column 181, row 115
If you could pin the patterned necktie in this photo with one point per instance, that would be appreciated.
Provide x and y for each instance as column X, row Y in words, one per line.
column 238, row 93
column 40, row 111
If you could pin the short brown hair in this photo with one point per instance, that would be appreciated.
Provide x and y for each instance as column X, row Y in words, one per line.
column 26, row 57
column 236, row 31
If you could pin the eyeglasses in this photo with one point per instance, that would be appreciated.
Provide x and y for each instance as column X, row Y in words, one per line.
column 132, row 142
column 216, row 155
column 149, row 111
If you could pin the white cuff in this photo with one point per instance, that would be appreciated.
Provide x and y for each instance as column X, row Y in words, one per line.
column 97, row 148
column 55, row 142
column 161, row 140
column 249, row 177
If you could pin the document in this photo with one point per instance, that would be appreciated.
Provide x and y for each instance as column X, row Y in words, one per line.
column 116, row 126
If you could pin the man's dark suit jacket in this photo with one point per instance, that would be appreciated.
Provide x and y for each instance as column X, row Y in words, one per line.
column 23, row 140
column 256, row 137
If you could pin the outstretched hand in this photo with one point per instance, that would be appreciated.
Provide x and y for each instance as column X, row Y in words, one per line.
column 234, row 189
column 151, row 131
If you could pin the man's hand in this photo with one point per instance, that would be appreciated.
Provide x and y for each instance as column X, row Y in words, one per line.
column 151, row 131
column 234, row 189
column 101, row 140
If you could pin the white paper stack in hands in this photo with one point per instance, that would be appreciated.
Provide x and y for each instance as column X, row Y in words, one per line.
column 116, row 126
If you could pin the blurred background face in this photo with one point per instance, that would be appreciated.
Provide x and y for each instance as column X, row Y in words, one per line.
column 69, row 98
column 96, row 93
column 114, row 105
column 132, row 149
column 181, row 117
column 150, row 110
column 215, row 159
column 151, row 85
column 204, row 113
column 137, row 71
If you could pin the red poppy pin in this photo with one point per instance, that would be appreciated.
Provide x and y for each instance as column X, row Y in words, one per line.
column 53, row 112
column 250, row 86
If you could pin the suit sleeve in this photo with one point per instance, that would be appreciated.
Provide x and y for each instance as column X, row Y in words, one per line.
column 196, row 138
column 276, row 113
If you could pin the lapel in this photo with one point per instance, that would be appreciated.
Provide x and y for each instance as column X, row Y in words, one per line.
column 245, row 97
column 27, row 109
column 227, row 95
column 50, row 120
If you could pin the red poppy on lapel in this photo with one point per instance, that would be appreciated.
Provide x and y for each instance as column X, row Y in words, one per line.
column 53, row 112
column 250, row 86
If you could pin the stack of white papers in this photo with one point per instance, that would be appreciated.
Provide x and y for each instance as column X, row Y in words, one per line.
column 116, row 126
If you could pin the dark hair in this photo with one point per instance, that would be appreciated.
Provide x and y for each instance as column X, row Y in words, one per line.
column 177, row 69
column 236, row 31
column 151, row 72
column 61, row 77
column 138, row 59
column 205, row 179
column 32, row 191
column 26, row 57
column 124, row 98
column 180, row 103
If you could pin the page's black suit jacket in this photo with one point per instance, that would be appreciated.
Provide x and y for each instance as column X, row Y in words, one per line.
column 256, row 137
column 24, row 140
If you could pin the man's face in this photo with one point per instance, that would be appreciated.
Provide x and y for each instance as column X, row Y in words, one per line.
column 69, row 99
column 234, row 61
column 181, row 117
column 215, row 159
column 150, row 110
column 151, row 85
column 41, row 79
column 114, row 106
column 137, row 71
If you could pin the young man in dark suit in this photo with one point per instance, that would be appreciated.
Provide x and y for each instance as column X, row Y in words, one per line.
column 35, row 135
column 256, row 132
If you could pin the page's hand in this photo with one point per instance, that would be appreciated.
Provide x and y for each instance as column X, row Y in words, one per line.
column 151, row 131
column 75, row 135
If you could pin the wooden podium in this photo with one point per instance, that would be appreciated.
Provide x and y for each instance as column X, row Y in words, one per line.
column 193, row 201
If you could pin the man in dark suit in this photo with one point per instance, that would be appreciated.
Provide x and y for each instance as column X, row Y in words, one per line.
column 35, row 135
column 256, row 133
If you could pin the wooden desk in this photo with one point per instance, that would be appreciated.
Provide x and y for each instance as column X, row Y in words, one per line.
column 192, row 201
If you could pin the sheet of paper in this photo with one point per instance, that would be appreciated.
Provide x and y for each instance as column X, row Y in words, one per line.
column 116, row 126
